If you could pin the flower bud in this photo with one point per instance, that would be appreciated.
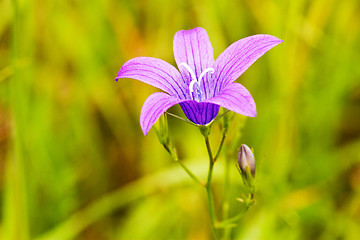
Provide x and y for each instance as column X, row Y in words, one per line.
column 246, row 161
column 162, row 130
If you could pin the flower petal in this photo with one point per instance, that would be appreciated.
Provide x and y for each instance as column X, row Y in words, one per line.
column 199, row 112
column 155, row 72
column 239, row 56
column 155, row 105
column 236, row 98
column 193, row 47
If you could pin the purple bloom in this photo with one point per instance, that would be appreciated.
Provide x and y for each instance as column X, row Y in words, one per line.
column 203, row 84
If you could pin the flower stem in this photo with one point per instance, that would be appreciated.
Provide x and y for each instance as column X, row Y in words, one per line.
column 174, row 156
column 208, row 189
column 225, row 207
column 220, row 146
column 182, row 119
column 219, row 116
column 225, row 224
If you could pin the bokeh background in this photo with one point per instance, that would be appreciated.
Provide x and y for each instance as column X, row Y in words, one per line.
column 74, row 163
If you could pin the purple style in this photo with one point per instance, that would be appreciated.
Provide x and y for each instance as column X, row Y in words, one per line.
column 203, row 84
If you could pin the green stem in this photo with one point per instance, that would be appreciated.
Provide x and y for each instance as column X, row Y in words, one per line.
column 225, row 224
column 219, row 116
column 220, row 146
column 225, row 208
column 82, row 219
column 182, row 119
column 174, row 156
column 211, row 161
column 208, row 189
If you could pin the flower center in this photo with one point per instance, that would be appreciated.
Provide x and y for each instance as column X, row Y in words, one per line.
column 196, row 81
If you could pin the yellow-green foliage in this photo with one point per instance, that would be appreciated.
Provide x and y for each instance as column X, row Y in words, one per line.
column 74, row 163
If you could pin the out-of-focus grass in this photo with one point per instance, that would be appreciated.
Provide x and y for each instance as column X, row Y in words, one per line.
column 74, row 163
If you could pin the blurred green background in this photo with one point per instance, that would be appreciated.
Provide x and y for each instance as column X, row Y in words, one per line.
column 74, row 163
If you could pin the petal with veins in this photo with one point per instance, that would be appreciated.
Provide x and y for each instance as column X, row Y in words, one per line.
column 155, row 105
column 193, row 47
column 238, row 57
column 235, row 97
column 157, row 73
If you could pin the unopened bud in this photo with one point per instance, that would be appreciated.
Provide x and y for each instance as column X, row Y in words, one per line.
column 246, row 161
column 161, row 130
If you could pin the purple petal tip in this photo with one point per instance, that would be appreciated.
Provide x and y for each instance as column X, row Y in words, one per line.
column 252, row 112
column 279, row 40
column 272, row 38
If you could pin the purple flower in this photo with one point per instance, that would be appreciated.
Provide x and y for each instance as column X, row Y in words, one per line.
column 203, row 84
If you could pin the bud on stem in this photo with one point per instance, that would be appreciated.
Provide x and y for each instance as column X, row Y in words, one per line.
column 246, row 163
column 162, row 131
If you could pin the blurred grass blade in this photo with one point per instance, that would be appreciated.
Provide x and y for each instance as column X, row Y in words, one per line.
column 113, row 201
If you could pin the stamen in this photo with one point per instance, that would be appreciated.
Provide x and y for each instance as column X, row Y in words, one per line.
column 190, row 71
column 191, row 86
column 211, row 70
column 194, row 79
